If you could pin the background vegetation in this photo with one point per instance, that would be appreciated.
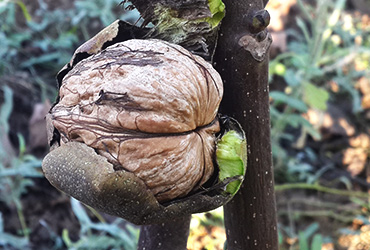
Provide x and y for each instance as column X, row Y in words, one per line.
column 320, row 115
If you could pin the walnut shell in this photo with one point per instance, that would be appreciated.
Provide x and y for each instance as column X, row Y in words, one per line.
column 150, row 108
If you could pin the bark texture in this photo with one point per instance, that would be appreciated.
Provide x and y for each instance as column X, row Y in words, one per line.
column 170, row 235
column 242, row 60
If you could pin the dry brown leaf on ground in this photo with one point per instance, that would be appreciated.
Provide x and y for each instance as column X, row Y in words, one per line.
column 363, row 85
column 358, row 241
column 355, row 157
column 279, row 10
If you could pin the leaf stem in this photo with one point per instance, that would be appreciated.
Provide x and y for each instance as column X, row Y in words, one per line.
column 22, row 220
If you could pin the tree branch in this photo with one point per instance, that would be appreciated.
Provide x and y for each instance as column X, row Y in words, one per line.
column 242, row 59
column 169, row 235
column 321, row 188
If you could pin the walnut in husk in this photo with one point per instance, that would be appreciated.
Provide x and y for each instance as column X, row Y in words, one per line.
column 133, row 133
column 149, row 107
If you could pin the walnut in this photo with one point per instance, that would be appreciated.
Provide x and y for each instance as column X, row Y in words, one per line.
column 136, row 133
column 149, row 107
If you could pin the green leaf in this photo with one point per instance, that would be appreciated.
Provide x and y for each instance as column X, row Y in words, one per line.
column 311, row 229
column 26, row 14
column 24, row 169
column 128, row 239
column 303, row 241
column 66, row 239
column 81, row 215
column 343, row 81
column 6, row 109
column 291, row 78
column 314, row 71
column 295, row 103
column 304, row 30
column 281, row 238
column 217, row 8
column 22, row 145
column 295, row 120
column 7, row 239
column 315, row 97
column 301, row 51
column 45, row 59
column 317, row 242
column 231, row 159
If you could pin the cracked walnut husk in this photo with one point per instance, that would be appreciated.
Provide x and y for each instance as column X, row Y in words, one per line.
column 135, row 130
column 150, row 108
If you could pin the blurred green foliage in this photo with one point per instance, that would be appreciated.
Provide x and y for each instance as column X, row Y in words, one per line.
column 15, row 172
column 321, row 50
column 40, row 43
column 7, row 239
column 110, row 236
column 307, row 239
column 43, row 41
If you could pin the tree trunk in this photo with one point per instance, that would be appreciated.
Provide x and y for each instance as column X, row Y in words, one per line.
column 169, row 235
column 250, row 218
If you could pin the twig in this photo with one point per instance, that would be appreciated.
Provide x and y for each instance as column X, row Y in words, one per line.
column 321, row 189
column 318, row 213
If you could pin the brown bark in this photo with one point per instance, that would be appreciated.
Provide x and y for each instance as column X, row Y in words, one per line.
column 250, row 218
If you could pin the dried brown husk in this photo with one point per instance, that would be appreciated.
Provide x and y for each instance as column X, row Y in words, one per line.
column 150, row 108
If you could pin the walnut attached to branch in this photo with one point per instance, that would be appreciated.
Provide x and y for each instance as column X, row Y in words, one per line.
column 134, row 133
